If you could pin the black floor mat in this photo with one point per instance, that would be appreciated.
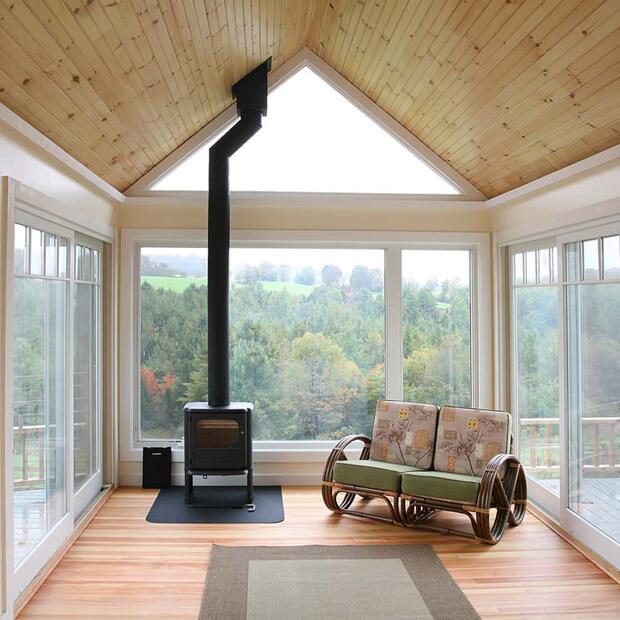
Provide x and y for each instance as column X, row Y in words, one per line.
column 215, row 505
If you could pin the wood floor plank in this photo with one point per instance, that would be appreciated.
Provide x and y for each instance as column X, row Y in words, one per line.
column 124, row 567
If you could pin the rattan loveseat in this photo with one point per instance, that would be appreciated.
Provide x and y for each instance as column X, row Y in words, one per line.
column 422, row 460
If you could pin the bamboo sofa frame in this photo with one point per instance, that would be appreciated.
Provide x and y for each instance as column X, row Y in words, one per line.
column 506, row 493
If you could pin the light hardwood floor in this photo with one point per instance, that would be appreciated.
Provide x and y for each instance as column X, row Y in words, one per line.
column 124, row 567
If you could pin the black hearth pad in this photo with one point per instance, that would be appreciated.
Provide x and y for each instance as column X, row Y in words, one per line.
column 169, row 506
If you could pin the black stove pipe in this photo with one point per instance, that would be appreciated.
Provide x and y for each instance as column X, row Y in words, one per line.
column 251, row 95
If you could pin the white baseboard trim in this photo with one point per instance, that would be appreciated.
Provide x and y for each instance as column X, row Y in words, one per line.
column 297, row 480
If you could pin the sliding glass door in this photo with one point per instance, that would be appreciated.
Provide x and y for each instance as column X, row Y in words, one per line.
column 87, row 326
column 591, row 290
column 56, row 388
column 535, row 392
column 40, row 390
column 565, row 379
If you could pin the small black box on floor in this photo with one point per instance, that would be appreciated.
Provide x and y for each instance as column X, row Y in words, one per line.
column 156, row 467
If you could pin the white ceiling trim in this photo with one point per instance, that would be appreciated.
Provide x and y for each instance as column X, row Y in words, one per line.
column 9, row 119
column 567, row 173
column 299, row 200
column 307, row 58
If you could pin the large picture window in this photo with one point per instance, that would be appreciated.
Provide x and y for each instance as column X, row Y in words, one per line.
column 322, row 325
column 307, row 339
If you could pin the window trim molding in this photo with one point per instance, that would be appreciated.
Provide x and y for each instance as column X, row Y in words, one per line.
column 307, row 58
column 392, row 242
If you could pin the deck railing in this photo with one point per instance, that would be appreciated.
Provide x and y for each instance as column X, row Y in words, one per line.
column 29, row 443
column 540, row 450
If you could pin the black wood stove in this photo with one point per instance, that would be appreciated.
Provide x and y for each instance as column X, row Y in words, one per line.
column 218, row 434
column 218, row 443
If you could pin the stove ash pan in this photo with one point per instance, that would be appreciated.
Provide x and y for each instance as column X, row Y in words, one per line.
column 218, row 440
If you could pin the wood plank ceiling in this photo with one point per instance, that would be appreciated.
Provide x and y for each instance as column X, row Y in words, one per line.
column 505, row 91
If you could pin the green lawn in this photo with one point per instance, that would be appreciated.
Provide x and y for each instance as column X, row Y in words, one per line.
column 178, row 285
column 172, row 283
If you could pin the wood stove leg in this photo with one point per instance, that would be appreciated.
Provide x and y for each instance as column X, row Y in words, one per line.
column 189, row 487
column 250, row 491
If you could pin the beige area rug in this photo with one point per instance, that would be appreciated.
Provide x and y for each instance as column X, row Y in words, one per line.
column 377, row 582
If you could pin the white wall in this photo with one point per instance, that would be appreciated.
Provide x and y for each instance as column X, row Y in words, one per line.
column 590, row 194
column 300, row 212
column 311, row 212
column 33, row 167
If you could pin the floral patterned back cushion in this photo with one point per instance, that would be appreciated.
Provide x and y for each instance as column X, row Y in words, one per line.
column 467, row 439
column 404, row 433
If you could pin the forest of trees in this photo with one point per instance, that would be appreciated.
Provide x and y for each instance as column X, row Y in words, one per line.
column 311, row 361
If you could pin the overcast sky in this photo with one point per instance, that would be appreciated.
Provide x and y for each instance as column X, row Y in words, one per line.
column 418, row 265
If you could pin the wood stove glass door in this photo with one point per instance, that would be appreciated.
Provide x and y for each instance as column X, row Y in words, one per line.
column 219, row 442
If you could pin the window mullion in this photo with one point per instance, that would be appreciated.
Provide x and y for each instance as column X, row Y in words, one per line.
column 393, row 324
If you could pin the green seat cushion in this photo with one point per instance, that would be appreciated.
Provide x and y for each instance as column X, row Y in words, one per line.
column 371, row 474
column 441, row 485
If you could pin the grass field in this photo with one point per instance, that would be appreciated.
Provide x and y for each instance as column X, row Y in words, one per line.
column 178, row 285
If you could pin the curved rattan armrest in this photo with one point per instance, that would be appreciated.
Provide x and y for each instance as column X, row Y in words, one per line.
column 498, row 485
column 337, row 453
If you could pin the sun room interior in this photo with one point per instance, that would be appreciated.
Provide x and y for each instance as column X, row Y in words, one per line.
column 430, row 213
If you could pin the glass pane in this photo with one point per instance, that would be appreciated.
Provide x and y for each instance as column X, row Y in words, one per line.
column 376, row 162
column 611, row 257
column 86, row 381
column 571, row 257
column 36, row 252
column 518, row 269
column 590, row 260
column 217, row 433
column 63, row 254
column 79, row 262
column 20, row 257
column 530, row 267
column 95, row 266
column 544, row 266
column 39, row 410
column 554, row 264
column 307, row 339
column 536, row 382
column 593, row 326
column 436, row 326
column 87, row 274
column 50, row 255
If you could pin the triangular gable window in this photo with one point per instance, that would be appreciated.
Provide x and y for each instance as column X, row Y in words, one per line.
column 315, row 140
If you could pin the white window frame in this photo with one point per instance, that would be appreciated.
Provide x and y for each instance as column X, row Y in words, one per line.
column 307, row 58
column 89, row 489
column 579, row 527
column 31, row 564
column 574, row 524
column 536, row 491
column 26, row 205
column 391, row 242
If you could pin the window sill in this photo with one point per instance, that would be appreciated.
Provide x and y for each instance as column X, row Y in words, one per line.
column 269, row 454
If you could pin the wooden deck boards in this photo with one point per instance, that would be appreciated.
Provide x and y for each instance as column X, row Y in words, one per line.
column 124, row 567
